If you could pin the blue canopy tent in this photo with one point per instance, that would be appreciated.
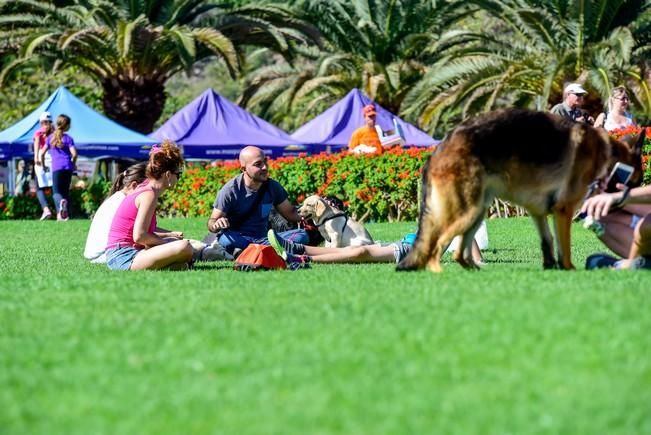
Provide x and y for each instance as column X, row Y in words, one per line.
column 5, row 153
column 94, row 134
column 335, row 126
column 213, row 128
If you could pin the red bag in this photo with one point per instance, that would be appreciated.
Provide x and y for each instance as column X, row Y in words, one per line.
column 259, row 257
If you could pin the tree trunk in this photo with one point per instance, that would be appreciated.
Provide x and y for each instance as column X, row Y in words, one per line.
column 135, row 104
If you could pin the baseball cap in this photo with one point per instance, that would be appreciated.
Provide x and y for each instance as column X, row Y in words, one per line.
column 369, row 109
column 45, row 116
column 575, row 88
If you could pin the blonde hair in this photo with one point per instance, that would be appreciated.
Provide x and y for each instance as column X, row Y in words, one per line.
column 163, row 158
column 616, row 93
column 63, row 125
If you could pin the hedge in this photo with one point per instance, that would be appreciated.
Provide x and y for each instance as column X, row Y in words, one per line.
column 380, row 187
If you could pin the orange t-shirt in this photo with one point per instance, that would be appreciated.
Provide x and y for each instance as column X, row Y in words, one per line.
column 365, row 136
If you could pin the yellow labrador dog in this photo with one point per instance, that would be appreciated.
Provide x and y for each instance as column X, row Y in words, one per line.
column 335, row 226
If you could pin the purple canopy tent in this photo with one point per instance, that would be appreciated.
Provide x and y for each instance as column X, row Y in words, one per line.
column 335, row 126
column 213, row 128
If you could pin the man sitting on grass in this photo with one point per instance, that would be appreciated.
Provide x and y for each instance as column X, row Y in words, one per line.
column 627, row 230
column 241, row 211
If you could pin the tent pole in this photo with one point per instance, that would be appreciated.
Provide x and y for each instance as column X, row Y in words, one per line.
column 12, row 176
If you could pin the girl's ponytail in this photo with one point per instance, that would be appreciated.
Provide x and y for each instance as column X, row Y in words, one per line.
column 63, row 125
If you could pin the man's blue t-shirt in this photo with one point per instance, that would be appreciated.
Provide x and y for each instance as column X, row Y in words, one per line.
column 235, row 199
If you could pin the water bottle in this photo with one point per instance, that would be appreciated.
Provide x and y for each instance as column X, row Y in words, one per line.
column 594, row 225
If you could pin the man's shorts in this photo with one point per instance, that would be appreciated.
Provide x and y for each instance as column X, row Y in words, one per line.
column 400, row 249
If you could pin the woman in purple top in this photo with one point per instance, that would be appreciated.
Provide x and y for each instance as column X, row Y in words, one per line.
column 64, row 155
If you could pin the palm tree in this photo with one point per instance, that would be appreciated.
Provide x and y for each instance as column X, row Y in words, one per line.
column 132, row 47
column 533, row 48
column 376, row 45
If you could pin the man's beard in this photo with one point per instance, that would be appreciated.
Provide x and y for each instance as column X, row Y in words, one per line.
column 260, row 177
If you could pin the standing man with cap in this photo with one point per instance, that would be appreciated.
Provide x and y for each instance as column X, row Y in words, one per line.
column 570, row 108
column 365, row 139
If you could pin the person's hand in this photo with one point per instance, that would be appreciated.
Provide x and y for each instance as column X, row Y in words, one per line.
column 221, row 224
column 599, row 206
column 175, row 234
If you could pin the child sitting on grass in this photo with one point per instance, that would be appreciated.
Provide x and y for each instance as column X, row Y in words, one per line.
column 378, row 253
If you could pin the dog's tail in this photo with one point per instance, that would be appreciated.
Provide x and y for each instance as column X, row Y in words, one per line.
column 428, row 229
column 449, row 205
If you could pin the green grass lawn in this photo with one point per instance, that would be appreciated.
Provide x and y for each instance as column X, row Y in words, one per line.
column 357, row 349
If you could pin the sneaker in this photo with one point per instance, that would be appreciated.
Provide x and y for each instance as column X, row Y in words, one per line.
column 279, row 247
column 47, row 214
column 600, row 261
column 295, row 262
column 63, row 210
column 640, row 263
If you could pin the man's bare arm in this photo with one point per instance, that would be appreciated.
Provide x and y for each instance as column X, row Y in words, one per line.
column 217, row 221
column 287, row 210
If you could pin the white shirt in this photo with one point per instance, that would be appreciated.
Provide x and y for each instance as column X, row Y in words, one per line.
column 610, row 124
column 98, row 233
column 481, row 237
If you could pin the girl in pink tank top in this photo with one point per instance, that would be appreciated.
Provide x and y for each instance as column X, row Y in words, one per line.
column 121, row 232
column 135, row 242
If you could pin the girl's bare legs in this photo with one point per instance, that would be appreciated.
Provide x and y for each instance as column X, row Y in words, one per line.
column 618, row 235
column 174, row 255
column 476, row 253
column 641, row 244
column 365, row 254
column 352, row 254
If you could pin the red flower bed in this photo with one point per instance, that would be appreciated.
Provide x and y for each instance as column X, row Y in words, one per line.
column 631, row 132
column 383, row 187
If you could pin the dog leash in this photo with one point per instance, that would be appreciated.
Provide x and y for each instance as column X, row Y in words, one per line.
column 591, row 189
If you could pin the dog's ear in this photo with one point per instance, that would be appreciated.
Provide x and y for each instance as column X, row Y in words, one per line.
column 319, row 207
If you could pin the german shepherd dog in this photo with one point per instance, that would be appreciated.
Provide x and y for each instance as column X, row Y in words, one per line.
column 537, row 160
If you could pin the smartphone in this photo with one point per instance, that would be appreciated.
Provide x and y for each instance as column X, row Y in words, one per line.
column 621, row 173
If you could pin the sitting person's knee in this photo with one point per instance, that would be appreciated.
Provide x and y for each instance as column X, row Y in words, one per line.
column 183, row 247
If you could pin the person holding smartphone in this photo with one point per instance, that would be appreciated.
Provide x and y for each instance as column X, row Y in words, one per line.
column 626, row 221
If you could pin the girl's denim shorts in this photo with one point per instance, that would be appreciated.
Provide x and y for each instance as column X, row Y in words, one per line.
column 120, row 258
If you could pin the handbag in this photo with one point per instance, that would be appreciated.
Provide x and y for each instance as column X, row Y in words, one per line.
column 259, row 257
